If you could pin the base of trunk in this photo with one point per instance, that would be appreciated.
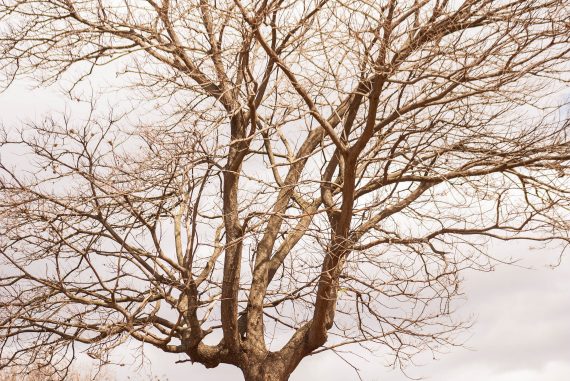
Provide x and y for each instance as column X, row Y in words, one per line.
column 266, row 372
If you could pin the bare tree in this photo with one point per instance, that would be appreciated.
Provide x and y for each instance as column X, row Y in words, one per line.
column 320, row 173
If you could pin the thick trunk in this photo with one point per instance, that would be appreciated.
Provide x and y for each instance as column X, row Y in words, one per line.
column 265, row 374
column 266, row 371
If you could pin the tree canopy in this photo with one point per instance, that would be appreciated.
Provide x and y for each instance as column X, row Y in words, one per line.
column 301, row 175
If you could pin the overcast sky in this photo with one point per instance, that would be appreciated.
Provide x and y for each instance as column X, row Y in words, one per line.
column 521, row 315
column 521, row 332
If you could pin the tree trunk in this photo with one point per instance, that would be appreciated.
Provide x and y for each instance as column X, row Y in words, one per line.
column 266, row 371
column 267, row 374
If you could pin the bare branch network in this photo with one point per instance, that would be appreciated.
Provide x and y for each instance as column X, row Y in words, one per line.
column 319, row 175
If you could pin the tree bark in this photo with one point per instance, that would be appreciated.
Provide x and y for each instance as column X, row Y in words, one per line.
column 264, row 372
column 272, row 368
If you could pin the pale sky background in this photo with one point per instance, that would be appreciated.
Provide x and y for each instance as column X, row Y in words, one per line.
column 521, row 315
column 521, row 332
